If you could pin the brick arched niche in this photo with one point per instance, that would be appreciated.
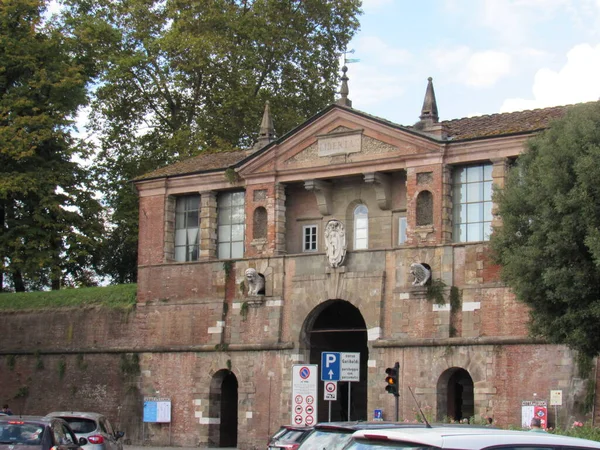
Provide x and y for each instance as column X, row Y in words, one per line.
column 455, row 395
column 223, row 409
column 424, row 211
column 259, row 223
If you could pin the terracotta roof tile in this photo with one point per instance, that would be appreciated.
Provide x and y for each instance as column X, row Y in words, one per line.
column 500, row 124
column 204, row 162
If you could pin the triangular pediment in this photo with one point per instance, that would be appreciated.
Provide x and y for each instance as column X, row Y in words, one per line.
column 340, row 137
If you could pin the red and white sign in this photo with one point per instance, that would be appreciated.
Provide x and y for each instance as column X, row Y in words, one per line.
column 304, row 393
column 330, row 391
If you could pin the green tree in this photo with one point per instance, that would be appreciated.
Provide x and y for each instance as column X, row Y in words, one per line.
column 180, row 77
column 50, row 222
column 549, row 242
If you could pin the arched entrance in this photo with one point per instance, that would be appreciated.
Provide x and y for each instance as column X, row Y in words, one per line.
column 338, row 326
column 224, row 406
column 455, row 399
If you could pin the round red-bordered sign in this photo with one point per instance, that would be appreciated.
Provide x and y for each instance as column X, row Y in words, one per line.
column 298, row 399
column 309, row 420
column 310, row 400
column 304, row 373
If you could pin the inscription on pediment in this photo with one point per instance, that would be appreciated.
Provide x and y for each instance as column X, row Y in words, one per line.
column 340, row 143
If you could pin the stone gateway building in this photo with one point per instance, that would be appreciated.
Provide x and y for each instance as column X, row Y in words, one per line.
column 304, row 244
column 347, row 234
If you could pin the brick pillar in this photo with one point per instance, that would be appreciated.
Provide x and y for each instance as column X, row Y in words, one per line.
column 169, row 242
column 279, row 219
column 208, row 225
column 499, row 174
column 446, row 195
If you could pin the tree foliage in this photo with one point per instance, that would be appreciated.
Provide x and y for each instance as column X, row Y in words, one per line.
column 179, row 77
column 549, row 243
column 50, row 221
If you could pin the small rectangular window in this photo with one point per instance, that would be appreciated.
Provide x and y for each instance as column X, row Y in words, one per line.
column 309, row 238
column 402, row 230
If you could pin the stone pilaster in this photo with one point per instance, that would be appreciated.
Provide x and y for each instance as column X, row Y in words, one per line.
column 169, row 242
column 279, row 219
column 499, row 174
column 446, row 195
column 208, row 225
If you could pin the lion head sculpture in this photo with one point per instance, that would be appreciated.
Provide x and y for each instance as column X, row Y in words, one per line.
column 256, row 282
column 421, row 273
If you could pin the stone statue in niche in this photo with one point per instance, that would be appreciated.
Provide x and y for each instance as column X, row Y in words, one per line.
column 335, row 242
column 421, row 273
column 256, row 282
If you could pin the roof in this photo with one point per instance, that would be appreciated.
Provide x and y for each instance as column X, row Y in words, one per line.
column 502, row 124
column 204, row 162
column 479, row 127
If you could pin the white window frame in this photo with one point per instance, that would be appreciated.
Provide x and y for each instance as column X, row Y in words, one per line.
column 186, row 237
column 472, row 203
column 361, row 227
column 231, row 224
column 312, row 241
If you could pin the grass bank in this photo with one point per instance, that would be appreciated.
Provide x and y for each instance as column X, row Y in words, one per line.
column 122, row 296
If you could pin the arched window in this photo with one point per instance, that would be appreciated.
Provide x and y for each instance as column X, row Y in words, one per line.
column 361, row 227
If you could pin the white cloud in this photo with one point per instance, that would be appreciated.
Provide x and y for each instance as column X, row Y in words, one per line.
column 369, row 86
column 380, row 52
column 374, row 5
column 474, row 69
column 484, row 69
column 576, row 81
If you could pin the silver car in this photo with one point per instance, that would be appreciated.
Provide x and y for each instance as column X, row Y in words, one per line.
column 96, row 428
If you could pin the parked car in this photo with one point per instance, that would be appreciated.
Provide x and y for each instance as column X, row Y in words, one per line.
column 96, row 428
column 464, row 438
column 38, row 433
column 335, row 435
column 288, row 437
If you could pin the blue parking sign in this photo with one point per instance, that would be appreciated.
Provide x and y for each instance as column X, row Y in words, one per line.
column 330, row 366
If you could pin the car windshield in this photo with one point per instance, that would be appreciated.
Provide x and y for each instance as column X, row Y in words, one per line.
column 80, row 425
column 21, row 433
column 326, row 439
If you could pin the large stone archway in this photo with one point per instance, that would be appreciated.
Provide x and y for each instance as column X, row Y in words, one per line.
column 455, row 395
column 338, row 326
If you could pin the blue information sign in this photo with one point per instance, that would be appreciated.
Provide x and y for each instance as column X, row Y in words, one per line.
column 330, row 366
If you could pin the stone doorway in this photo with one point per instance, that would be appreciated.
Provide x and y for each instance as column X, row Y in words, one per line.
column 224, row 406
column 455, row 399
column 338, row 326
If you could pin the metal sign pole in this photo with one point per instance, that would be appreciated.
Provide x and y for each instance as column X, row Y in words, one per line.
column 330, row 411
column 349, row 398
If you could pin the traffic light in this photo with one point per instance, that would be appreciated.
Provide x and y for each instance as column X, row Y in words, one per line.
column 392, row 379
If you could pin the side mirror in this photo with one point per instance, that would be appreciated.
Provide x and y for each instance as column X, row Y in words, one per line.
column 119, row 434
column 83, row 441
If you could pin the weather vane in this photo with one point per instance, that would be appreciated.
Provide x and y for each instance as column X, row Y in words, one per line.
column 349, row 60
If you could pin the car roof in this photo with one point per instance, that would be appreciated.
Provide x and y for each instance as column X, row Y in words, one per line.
column 362, row 425
column 470, row 438
column 84, row 415
column 37, row 419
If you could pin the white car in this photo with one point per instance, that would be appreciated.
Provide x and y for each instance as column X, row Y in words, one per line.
column 463, row 438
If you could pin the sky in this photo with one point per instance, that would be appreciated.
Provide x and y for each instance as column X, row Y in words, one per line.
column 485, row 56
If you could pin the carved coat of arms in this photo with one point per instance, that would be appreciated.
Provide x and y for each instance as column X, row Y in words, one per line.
column 335, row 242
